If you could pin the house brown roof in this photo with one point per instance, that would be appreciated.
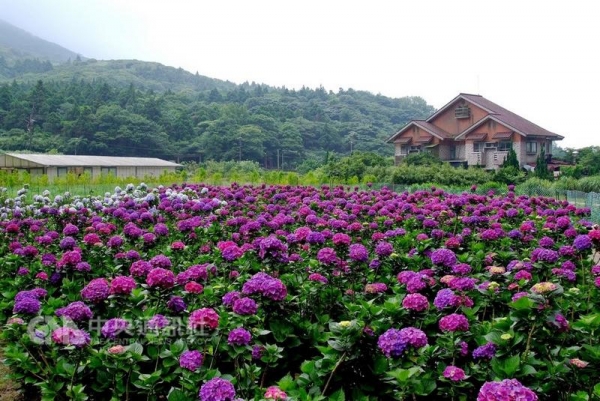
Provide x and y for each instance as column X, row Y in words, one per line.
column 435, row 130
column 478, row 137
column 502, row 135
column 432, row 129
column 508, row 117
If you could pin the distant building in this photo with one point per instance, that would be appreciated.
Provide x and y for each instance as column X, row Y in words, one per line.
column 472, row 131
column 61, row 165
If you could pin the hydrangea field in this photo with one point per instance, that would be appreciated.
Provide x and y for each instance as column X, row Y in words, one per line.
column 283, row 292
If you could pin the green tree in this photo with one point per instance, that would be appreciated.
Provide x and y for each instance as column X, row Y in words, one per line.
column 511, row 160
column 541, row 167
column 422, row 159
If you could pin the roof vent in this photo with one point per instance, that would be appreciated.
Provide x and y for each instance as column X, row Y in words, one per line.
column 462, row 112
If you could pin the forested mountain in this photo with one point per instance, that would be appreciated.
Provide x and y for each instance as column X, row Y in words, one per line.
column 17, row 44
column 135, row 108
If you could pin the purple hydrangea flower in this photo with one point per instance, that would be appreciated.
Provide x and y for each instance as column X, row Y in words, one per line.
column 229, row 298
column 383, row 249
column 245, row 306
column 176, row 304
column 445, row 298
column 582, row 242
column 394, row 342
column 161, row 261
column 217, row 389
column 327, row 256
column 239, row 337
column 76, row 311
column 358, row 253
column 443, row 257
column 113, row 327
column 158, row 322
column 96, row 291
column 28, row 305
column 191, row 360
column 486, row 351
column 507, row 389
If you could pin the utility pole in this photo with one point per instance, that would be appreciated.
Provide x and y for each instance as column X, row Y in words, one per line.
column 351, row 137
column 277, row 159
column 282, row 159
column 240, row 153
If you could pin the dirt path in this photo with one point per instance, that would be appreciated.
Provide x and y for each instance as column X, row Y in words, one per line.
column 8, row 389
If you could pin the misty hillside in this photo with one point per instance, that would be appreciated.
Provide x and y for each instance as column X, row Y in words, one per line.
column 138, row 108
column 17, row 44
column 143, row 75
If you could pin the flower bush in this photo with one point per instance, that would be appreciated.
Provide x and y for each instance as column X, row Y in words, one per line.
column 287, row 292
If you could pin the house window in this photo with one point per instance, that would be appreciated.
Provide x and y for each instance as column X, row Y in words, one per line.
column 477, row 147
column 414, row 149
column 404, row 149
column 61, row 171
column 505, row 146
column 108, row 170
column 531, row 147
column 452, row 152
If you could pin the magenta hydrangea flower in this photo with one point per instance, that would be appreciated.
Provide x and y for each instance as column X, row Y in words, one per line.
column 239, row 337
column 506, row 390
column 454, row 322
column 193, row 287
column 70, row 336
column 122, row 285
column 140, row 268
column 317, row 277
column 375, row 288
column 327, row 256
column 454, row 373
column 415, row 302
column 191, row 360
column 341, row 239
column 217, row 389
column 275, row 393
column 205, row 318
column 96, row 291
column 160, row 278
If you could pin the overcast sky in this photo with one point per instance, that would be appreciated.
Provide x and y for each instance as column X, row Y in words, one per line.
column 539, row 59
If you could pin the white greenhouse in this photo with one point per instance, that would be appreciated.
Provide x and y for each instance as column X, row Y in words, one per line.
column 61, row 165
